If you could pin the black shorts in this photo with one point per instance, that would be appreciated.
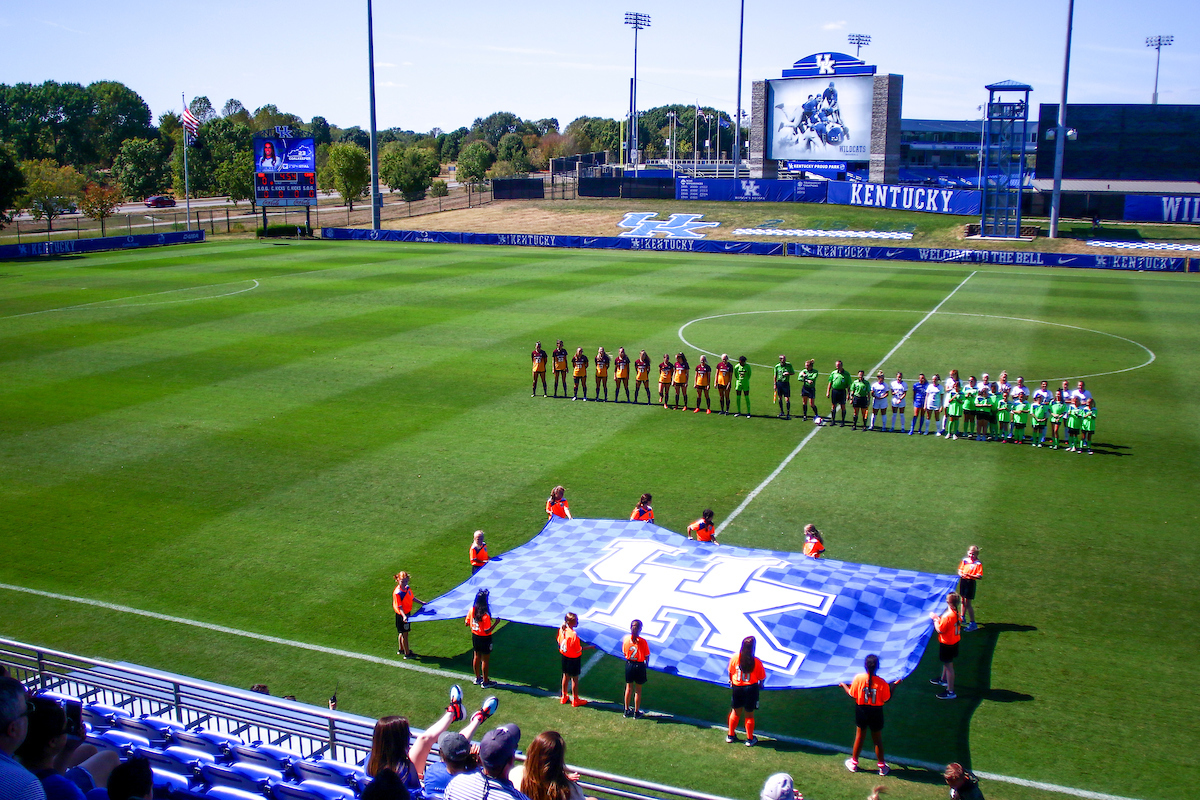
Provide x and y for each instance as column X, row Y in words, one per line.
column 808, row 391
column 402, row 624
column 476, row 567
column 966, row 588
column 635, row 672
column 571, row 665
column 870, row 717
column 481, row 644
column 745, row 697
column 783, row 389
column 947, row 652
column 860, row 402
column 986, row 416
column 837, row 397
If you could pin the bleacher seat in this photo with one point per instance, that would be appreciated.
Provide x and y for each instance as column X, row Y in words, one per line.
column 177, row 760
column 247, row 777
column 265, row 755
column 311, row 790
column 220, row 745
column 100, row 716
column 158, row 730
column 167, row 783
column 329, row 771
column 229, row 793
column 124, row 743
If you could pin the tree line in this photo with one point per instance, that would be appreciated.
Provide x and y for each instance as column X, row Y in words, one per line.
column 65, row 146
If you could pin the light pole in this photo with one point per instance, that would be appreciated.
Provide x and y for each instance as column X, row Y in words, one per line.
column 1060, row 132
column 1158, row 43
column 375, row 198
column 708, row 140
column 859, row 40
column 696, row 142
column 637, row 22
column 737, row 132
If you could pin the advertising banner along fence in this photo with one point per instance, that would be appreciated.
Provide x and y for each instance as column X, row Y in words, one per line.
column 814, row 620
column 944, row 255
column 1162, row 208
column 909, row 198
column 98, row 244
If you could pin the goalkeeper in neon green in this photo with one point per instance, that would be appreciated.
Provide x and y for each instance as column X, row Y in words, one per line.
column 741, row 385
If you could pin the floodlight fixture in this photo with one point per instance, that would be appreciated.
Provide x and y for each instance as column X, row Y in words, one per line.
column 859, row 40
column 1158, row 43
column 637, row 21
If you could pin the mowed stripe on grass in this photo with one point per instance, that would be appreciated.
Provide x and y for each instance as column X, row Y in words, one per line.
column 276, row 484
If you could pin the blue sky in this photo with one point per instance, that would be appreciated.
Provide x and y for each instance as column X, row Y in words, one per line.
column 443, row 64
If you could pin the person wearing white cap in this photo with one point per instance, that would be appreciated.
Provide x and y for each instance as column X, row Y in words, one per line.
column 780, row 787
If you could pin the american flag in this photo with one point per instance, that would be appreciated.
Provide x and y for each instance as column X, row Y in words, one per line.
column 190, row 124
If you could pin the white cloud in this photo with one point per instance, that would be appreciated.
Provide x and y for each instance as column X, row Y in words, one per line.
column 834, row 26
column 63, row 27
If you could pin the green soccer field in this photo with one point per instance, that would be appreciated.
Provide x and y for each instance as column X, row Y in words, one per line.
column 258, row 435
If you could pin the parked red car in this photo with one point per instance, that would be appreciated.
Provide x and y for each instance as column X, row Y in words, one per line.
column 160, row 201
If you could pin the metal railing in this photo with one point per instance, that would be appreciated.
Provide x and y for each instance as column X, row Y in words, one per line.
column 306, row 730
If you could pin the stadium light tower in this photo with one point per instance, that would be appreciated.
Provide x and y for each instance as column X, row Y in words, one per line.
column 637, row 22
column 375, row 198
column 1158, row 43
column 1060, row 131
column 859, row 40
column 737, row 131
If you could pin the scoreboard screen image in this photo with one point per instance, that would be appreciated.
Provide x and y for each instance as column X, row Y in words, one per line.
column 285, row 171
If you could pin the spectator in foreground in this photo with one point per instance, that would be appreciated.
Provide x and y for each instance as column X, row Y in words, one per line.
column 497, row 753
column 16, row 782
column 963, row 785
column 66, row 769
column 780, row 787
column 544, row 774
column 133, row 780
column 387, row 785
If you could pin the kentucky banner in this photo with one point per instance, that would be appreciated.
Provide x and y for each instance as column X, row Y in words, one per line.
column 909, row 198
column 815, row 620
column 98, row 244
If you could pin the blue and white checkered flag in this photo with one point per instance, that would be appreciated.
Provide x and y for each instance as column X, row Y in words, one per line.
column 815, row 620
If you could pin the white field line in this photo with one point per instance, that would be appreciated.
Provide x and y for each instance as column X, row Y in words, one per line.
column 804, row 442
column 151, row 294
column 1149, row 353
column 591, row 662
column 460, row 676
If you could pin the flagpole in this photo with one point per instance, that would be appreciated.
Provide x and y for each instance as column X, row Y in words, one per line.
column 187, row 193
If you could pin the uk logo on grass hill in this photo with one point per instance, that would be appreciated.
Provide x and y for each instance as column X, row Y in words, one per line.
column 677, row 226
column 814, row 621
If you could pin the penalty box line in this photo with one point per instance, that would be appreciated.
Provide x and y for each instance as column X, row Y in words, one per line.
column 458, row 676
column 804, row 442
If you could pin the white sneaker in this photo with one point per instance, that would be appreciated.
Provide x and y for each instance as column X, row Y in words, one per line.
column 851, row 765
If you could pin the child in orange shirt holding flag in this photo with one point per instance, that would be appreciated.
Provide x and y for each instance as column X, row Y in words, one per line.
column 557, row 505
column 746, row 679
column 571, row 649
column 703, row 528
column 947, row 627
column 870, row 692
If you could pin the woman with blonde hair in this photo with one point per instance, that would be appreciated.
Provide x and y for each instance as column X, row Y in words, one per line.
column 602, row 362
column 544, row 774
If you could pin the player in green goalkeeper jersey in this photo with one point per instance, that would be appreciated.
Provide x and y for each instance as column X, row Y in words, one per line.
column 1058, row 413
column 741, row 385
column 860, row 399
column 839, row 382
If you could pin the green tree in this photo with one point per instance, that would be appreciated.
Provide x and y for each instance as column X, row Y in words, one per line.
column 235, row 176
column 121, row 114
column 268, row 116
column 12, row 184
column 99, row 201
column 356, row 136
column 141, row 169
column 474, row 160
column 439, row 189
column 512, row 150
column 320, row 131
column 49, row 120
column 350, row 169
column 49, row 189
column 202, row 109
column 493, row 127
column 409, row 171
column 588, row 134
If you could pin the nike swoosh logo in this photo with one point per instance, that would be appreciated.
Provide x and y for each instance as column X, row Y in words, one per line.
column 1066, row 260
column 891, row 253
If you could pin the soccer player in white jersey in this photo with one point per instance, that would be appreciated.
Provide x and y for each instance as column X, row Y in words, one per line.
column 1043, row 393
column 879, row 400
column 1019, row 392
column 1083, row 394
column 951, row 386
column 933, row 405
column 1003, row 386
column 899, row 398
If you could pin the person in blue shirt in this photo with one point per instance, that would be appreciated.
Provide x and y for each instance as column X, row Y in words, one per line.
column 67, row 768
column 919, row 413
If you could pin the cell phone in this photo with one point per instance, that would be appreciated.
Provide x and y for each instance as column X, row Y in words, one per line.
column 74, row 719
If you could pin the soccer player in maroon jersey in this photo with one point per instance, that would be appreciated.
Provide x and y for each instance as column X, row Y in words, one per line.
column 724, row 382
column 665, row 369
column 580, row 364
column 559, row 355
column 621, row 365
column 703, row 379
column 603, row 359
column 539, row 368
column 641, row 369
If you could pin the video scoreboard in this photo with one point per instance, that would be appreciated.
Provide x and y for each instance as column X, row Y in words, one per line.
column 285, row 169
